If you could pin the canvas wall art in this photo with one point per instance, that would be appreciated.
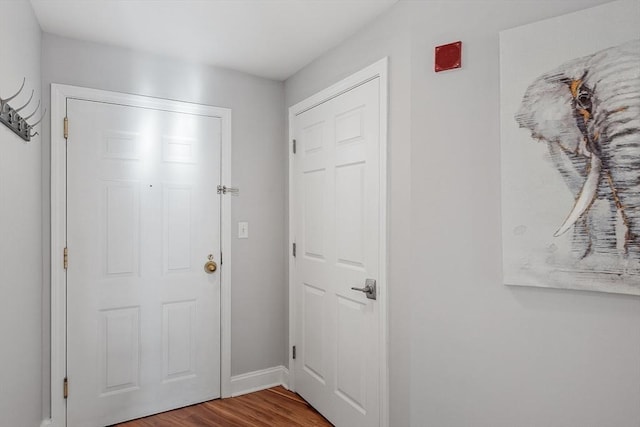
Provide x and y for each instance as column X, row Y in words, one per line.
column 570, row 150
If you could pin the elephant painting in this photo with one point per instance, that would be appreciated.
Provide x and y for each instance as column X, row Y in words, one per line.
column 587, row 112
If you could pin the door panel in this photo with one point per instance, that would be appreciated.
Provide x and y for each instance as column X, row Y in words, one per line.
column 178, row 340
column 313, row 325
column 176, row 228
column 336, row 222
column 314, row 211
column 142, row 218
column 120, row 350
column 122, row 227
column 350, row 371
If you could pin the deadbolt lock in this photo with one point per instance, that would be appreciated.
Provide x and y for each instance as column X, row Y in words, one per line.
column 210, row 266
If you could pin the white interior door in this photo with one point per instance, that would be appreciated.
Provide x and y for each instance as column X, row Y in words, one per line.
column 143, row 316
column 338, row 236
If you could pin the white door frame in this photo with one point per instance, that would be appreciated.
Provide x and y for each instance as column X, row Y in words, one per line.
column 377, row 70
column 59, row 96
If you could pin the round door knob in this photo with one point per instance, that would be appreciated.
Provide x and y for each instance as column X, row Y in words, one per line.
column 210, row 266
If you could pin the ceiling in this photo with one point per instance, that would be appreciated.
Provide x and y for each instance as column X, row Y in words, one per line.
column 268, row 38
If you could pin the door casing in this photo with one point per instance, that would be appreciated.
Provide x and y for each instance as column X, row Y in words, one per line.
column 59, row 96
column 379, row 70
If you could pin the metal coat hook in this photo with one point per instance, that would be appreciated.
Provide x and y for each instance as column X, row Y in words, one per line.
column 11, row 118
column 40, row 119
column 30, row 98
column 34, row 111
column 24, row 80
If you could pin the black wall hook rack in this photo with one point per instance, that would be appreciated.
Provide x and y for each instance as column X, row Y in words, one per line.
column 12, row 119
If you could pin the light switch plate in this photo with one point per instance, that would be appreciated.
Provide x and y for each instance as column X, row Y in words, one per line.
column 243, row 230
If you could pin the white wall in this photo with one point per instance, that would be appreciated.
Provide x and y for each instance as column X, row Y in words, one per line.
column 259, row 305
column 479, row 353
column 20, row 230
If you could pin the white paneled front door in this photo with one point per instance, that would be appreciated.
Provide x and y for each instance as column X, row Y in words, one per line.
column 336, row 226
column 143, row 218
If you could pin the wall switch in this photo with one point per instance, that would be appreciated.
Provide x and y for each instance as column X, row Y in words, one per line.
column 243, row 230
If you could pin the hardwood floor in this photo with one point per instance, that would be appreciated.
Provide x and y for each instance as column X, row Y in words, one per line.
column 267, row 408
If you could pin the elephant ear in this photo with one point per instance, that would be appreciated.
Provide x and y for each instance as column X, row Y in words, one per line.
column 614, row 76
column 547, row 110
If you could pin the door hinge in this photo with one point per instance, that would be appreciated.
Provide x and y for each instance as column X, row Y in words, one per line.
column 294, row 249
column 294, row 146
column 66, row 128
column 294, row 352
column 65, row 258
column 65, row 388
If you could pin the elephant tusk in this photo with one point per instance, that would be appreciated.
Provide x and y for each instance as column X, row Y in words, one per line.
column 586, row 196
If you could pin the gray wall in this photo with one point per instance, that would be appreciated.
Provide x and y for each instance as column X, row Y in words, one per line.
column 259, row 306
column 466, row 350
column 20, row 231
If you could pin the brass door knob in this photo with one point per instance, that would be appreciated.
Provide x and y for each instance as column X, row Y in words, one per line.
column 210, row 266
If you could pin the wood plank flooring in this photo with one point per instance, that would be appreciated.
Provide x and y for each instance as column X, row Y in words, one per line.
column 267, row 408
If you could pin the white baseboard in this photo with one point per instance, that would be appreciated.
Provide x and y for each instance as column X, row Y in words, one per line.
column 244, row 383
column 259, row 380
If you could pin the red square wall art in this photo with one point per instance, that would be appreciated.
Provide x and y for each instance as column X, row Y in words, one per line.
column 448, row 56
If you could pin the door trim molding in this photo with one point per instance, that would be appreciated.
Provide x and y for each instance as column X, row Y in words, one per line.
column 59, row 96
column 377, row 70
